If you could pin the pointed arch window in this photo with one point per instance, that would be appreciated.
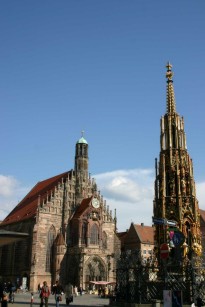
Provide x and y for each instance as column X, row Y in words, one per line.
column 104, row 240
column 49, row 248
column 94, row 235
column 84, row 234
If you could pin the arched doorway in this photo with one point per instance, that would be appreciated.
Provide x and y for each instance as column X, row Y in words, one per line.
column 94, row 270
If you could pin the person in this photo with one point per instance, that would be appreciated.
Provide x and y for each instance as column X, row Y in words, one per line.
column 106, row 291
column 39, row 288
column 44, row 294
column 76, row 291
column 57, row 291
column 199, row 302
column 4, row 302
column 10, row 290
column 1, row 291
column 81, row 290
column 68, row 293
column 99, row 291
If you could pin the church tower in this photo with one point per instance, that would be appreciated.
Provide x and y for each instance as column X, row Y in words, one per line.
column 175, row 200
column 81, row 169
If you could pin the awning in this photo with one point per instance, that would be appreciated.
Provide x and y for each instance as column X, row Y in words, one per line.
column 9, row 237
column 103, row 283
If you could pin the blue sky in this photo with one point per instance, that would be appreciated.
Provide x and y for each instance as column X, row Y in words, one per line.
column 98, row 66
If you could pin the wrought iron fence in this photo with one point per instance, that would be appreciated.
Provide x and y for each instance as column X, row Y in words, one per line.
column 143, row 281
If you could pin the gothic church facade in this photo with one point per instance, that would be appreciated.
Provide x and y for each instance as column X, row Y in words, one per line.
column 72, row 232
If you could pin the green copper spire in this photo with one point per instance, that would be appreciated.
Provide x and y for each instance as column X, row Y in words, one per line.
column 82, row 140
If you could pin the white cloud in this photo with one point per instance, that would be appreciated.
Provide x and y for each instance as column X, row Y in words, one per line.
column 200, row 194
column 131, row 193
column 11, row 192
column 7, row 185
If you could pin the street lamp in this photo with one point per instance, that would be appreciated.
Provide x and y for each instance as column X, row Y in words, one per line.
column 108, row 266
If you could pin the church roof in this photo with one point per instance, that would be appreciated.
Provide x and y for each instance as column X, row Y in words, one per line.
column 83, row 206
column 27, row 208
column 82, row 141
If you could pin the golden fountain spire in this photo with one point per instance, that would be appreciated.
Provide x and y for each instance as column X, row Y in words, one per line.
column 171, row 105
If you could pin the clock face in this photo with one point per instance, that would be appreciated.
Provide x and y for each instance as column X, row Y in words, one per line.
column 95, row 203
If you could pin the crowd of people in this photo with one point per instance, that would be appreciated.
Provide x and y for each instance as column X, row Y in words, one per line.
column 56, row 290
column 104, row 292
column 7, row 290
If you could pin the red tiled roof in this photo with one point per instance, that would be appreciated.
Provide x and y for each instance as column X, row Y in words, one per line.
column 83, row 206
column 27, row 208
column 145, row 233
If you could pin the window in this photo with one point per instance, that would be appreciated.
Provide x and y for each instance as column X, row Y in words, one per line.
column 144, row 251
column 84, row 233
column 104, row 240
column 49, row 248
column 94, row 235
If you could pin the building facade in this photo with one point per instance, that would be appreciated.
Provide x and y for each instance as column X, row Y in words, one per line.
column 140, row 237
column 72, row 232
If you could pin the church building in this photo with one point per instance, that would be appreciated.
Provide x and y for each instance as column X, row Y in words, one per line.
column 72, row 232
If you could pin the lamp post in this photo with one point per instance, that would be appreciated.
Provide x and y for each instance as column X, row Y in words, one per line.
column 81, row 269
column 108, row 267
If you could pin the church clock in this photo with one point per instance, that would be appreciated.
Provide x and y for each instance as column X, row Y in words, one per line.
column 95, row 203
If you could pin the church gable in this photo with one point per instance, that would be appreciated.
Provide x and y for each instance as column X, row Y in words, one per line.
column 137, row 235
column 85, row 225
column 132, row 239
column 83, row 208
column 40, row 193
